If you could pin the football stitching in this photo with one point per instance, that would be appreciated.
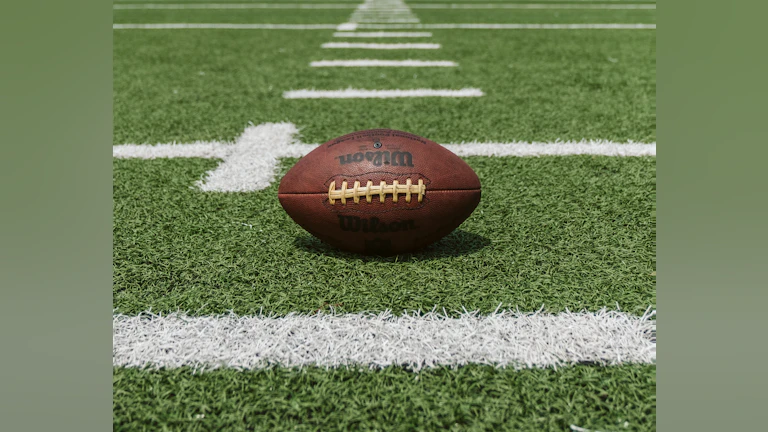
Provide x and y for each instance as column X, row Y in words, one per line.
column 382, row 190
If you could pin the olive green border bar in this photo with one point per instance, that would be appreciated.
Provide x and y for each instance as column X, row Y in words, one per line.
column 712, row 211
column 55, row 215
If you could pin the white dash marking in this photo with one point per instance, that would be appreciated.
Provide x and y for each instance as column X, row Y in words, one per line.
column 347, row 27
column 380, row 94
column 382, row 34
column 381, row 46
column 383, row 63
column 504, row 339
column 386, row 19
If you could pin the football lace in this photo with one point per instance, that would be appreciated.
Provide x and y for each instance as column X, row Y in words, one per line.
column 381, row 190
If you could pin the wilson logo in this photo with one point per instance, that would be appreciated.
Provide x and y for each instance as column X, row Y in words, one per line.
column 374, row 225
column 396, row 158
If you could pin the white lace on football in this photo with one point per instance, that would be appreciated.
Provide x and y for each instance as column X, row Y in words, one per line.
column 381, row 190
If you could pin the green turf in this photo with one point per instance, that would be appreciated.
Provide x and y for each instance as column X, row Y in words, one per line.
column 560, row 232
column 470, row 398
column 575, row 232
column 184, row 86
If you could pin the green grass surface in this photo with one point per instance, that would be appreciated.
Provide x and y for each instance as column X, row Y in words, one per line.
column 469, row 398
column 575, row 232
column 561, row 232
column 540, row 85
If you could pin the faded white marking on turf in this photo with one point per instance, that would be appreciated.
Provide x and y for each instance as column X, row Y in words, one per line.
column 382, row 34
column 383, row 63
column 527, row 6
column 380, row 46
column 354, row 26
column 392, row 8
column 470, row 26
column 236, row 6
column 417, row 341
column 380, row 94
column 387, row 11
column 223, row 26
column 347, row 27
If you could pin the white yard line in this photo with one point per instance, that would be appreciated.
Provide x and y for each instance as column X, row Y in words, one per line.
column 566, row 148
column 382, row 34
column 417, row 341
column 206, row 150
column 379, row 46
column 355, row 26
column 251, row 162
column 466, row 26
column 527, row 6
column 223, row 26
column 387, row 20
column 141, row 6
column 236, row 6
column 383, row 63
column 380, row 94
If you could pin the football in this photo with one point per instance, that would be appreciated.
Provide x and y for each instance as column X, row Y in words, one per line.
column 379, row 192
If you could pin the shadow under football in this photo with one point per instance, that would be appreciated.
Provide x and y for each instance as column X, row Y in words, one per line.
column 458, row 243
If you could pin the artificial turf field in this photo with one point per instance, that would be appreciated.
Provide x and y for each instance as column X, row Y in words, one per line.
column 551, row 232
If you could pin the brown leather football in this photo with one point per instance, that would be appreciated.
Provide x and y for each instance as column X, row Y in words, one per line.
column 380, row 191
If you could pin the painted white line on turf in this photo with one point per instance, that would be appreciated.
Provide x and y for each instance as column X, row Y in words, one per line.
column 380, row 46
column 390, row 9
column 527, row 6
column 505, row 339
column 223, row 26
column 347, row 26
column 380, row 94
column 382, row 34
column 251, row 163
column 207, row 150
column 236, row 6
column 569, row 148
column 387, row 20
column 468, row 26
column 383, row 63
column 355, row 26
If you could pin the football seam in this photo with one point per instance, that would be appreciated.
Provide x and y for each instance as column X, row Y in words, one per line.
column 429, row 191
